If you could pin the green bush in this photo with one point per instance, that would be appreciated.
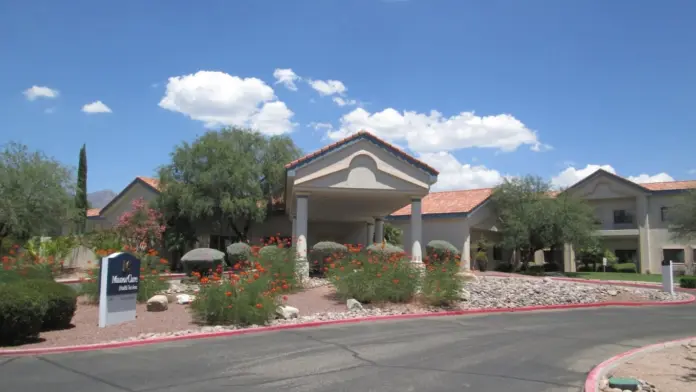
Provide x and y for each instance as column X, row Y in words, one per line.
column 280, row 264
column 625, row 267
column 535, row 270
column 374, row 277
column 238, row 254
column 504, row 267
column 438, row 250
column 21, row 314
column 441, row 286
column 321, row 251
column 481, row 261
column 551, row 267
column 687, row 282
column 60, row 301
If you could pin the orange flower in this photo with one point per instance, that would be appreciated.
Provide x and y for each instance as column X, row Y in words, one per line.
column 163, row 261
column 256, row 276
column 396, row 281
column 379, row 275
column 285, row 286
column 229, row 293
column 259, row 306
column 285, row 298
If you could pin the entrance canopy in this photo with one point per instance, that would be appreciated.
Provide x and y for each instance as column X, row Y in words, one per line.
column 357, row 179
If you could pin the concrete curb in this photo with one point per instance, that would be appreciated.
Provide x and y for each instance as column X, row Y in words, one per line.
column 599, row 371
column 114, row 345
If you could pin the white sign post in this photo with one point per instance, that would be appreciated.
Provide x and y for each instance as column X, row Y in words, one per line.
column 667, row 277
column 604, row 264
column 119, row 277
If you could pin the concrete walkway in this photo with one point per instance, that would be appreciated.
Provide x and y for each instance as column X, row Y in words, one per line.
column 542, row 351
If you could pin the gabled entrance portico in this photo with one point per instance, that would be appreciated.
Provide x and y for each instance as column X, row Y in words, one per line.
column 342, row 192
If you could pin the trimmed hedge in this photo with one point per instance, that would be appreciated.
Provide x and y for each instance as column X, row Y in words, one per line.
column 441, row 250
column 21, row 314
column 322, row 250
column 687, row 282
column 239, row 252
column 60, row 300
column 387, row 249
column 625, row 267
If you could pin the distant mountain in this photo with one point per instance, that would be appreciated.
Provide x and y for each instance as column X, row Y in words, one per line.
column 100, row 199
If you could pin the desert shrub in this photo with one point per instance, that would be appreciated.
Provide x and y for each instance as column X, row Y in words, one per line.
column 321, row 251
column 441, row 286
column 551, row 267
column 22, row 313
column 625, row 267
column 203, row 267
column 60, row 301
column 374, row 277
column 687, row 282
column 19, row 264
column 440, row 250
column 481, row 261
column 238, row 254
column 279, row 264
column 586, row 268
column 386, row 249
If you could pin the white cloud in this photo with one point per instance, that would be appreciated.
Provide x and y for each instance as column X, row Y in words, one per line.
column 571, row 175
column 218, row 99
column 647, row 178
column 35, row 92
column 320, row 125
column 344, row 102
column 96, row 107
column 287, row 77
column 433, row 132
column 328, row 87
column 455, row 175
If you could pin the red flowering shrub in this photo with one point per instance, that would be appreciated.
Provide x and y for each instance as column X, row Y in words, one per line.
column 141, row 227
column 441, row 286
column 374, row 276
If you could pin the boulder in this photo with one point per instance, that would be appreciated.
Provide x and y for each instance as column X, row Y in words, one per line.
column 464, row 295
column 171, row 298
column 354, row 304
column 287, row 312
column 184, row 299
column 158, row 303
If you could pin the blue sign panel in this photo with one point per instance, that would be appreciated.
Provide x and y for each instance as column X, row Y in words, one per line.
column 123, row 272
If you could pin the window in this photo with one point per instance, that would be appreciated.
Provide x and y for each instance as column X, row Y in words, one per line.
column 626, row 255
column 676, row 255
column 664, row 214
column 497, row 252
column 220, row 242
column 623, row 217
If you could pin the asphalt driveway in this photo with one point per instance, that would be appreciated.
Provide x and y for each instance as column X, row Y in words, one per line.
column 542, row 351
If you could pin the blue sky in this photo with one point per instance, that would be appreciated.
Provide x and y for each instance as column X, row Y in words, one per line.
column 479, row 89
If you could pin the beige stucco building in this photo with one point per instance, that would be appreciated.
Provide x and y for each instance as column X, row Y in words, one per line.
column 345, row 191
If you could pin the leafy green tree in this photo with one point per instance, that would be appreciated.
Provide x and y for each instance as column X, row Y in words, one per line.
column 392, row 234
column 532, row 217
column 682, row 217
column 35, row 193
column 81, row 203
column 227, row 177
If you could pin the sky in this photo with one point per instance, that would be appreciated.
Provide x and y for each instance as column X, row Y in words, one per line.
column 480, row 90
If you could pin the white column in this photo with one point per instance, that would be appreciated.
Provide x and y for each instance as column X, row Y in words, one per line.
column 416, row 231
column 642, row 215
column 466, row 251
column 379, row 230
column 369, row 240
column 302, row 216
column 568, row 258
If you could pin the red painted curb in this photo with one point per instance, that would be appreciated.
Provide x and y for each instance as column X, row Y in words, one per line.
column 102, row 346
column 592, row 380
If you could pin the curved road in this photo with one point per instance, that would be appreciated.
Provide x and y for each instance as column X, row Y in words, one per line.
column 540, row 351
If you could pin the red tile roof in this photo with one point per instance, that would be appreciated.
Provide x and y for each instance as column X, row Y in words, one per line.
column 450, row 202
column 92, row 212
column 358, row 135
column 670, row 185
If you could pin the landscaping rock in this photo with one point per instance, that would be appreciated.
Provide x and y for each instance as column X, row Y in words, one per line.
column 171, row 298
column 613, row 293
column 184, row 299
column 353, row 304
column 158, row 303
column 692, row 343
column 464, row 295
column 287, row 312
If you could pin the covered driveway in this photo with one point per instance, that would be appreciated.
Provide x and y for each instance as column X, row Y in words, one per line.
column 343, row 192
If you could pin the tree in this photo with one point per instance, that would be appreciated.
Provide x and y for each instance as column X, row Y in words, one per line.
column 532, row 218
column 140, row 228
column 682, row 217
column 392, row 234
column 81, row 203
column 35, row 193
column 227, row 177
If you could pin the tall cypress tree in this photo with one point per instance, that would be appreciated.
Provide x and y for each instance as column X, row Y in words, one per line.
column 81, row 203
